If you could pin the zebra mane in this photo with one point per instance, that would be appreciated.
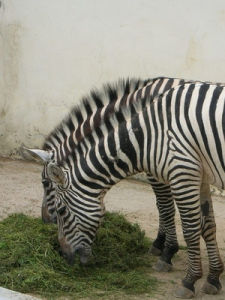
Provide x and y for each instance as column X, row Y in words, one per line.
column 90, row 105
column 127, row 112
column 120, row 116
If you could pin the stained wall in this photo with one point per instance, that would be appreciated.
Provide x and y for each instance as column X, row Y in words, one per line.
column 52, row 52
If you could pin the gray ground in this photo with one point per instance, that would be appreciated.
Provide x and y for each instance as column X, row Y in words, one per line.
column 21, row 191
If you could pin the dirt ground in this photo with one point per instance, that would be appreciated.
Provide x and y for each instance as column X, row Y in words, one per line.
column 21, row 191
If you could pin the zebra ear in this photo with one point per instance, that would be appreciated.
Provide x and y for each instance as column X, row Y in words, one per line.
column 42, row 155
column 56, row 174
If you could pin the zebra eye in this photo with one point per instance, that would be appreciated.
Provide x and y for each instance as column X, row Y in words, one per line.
column 61, row 210
column 45, row 183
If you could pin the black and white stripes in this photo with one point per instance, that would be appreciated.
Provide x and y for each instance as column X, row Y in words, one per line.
column 94, row 110
column 177, row 137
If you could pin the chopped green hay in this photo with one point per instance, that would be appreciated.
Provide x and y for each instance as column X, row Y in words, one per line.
column 30, row 262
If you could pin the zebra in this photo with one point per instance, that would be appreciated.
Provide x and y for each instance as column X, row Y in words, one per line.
column 178, row 140
column 110, row 99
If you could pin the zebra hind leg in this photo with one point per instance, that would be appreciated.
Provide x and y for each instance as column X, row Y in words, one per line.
column 165, row 245
column 212, row 285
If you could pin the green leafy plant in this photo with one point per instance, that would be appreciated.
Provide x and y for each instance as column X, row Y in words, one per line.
column 30, row 261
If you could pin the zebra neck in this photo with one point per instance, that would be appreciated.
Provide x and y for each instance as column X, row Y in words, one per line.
column 139, row 143
column 121, row 152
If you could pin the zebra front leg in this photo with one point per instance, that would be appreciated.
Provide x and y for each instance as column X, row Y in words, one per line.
column 167, row 213
column 212, row 285
column 158, row 243
column 165, row 245
column 185, row 187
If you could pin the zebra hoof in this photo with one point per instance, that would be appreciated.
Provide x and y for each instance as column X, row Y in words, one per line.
column 210, row 289
column 162, row 266
column 155, row 251
column 184, row 293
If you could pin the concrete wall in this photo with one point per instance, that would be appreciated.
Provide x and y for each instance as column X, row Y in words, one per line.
column 54, row 51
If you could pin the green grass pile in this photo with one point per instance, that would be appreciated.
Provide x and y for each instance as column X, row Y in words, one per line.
column 30, row 262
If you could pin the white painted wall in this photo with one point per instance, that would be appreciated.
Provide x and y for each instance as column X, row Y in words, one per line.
column 53, row 51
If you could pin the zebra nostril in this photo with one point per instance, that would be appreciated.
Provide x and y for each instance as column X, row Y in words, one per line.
column 79, row 250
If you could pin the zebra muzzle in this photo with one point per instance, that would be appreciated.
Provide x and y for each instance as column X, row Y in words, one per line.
column 83, row 253
column 68, row 257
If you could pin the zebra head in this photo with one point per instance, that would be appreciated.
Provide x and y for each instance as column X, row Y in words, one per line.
column 78, row 213
column 48, row 204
